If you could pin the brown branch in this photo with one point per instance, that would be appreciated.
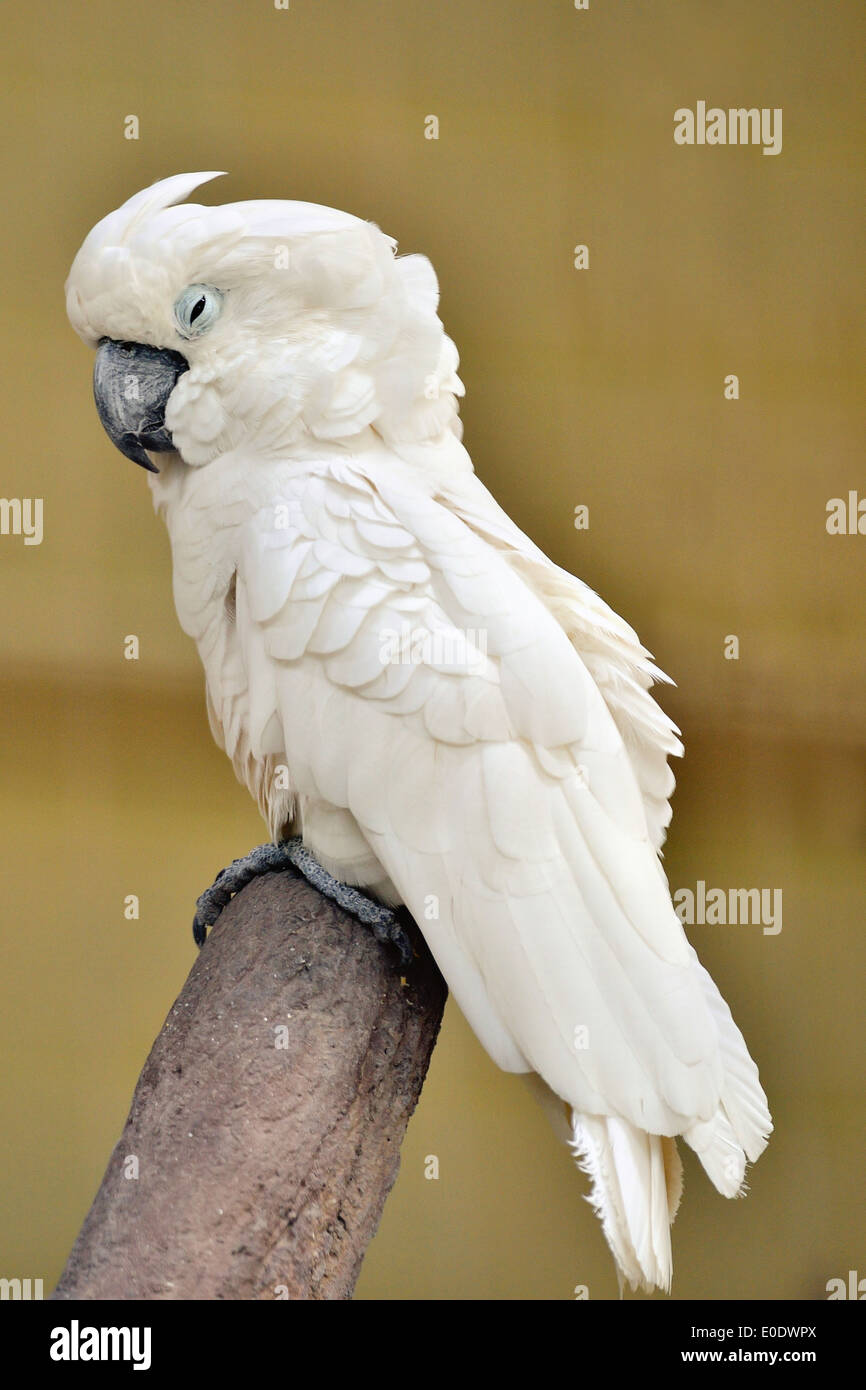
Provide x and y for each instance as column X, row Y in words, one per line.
column 263, row 1169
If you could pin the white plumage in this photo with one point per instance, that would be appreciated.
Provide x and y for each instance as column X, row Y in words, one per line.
column 511, row 769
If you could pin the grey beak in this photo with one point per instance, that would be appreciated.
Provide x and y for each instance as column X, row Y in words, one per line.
column 131, row 386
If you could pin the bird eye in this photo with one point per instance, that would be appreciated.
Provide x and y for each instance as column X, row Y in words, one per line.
column 196, row 309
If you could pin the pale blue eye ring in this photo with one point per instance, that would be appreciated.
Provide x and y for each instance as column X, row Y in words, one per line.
column 197, row 309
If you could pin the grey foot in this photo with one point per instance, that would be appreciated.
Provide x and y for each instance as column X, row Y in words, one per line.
column 293, row 856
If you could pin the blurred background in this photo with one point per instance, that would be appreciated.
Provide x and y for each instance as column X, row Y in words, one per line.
column 601, row 387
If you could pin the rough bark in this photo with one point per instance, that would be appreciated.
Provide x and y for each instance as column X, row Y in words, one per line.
column 266, row 1125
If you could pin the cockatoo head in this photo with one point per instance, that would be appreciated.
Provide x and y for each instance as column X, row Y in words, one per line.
column 256, row 324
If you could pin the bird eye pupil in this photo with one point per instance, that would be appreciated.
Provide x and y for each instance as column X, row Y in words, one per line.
column 195, row 310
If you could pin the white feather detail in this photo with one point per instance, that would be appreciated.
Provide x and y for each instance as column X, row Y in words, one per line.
column 635, row 1185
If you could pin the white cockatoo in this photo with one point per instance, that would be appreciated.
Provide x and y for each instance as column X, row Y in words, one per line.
column 409, row 687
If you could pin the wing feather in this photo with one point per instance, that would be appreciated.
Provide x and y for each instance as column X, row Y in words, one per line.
column 490, row 776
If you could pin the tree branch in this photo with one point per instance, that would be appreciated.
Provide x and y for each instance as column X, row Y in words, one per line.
column 266, row 1125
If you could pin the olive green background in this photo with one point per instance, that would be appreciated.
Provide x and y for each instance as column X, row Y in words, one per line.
column 602, row 387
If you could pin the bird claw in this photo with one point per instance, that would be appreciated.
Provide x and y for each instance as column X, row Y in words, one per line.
column 292, row 856
column 391, row 932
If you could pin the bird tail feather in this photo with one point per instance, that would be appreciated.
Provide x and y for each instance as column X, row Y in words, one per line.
column 636, row 1187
